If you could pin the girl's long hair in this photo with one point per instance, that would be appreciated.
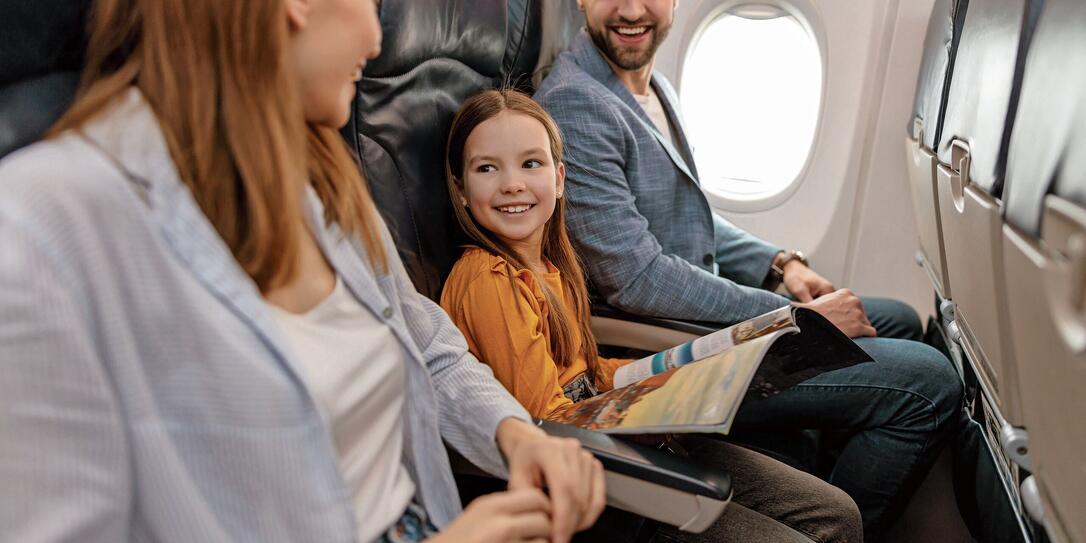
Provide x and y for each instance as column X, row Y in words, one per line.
column 219, row 77
column 556, row 244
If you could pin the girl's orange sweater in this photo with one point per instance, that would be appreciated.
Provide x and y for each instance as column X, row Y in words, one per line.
column 506, row 328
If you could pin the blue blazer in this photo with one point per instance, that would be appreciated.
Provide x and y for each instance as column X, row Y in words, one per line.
column 650, row 242
column 145, row 390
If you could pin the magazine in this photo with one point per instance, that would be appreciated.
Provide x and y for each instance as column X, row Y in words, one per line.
column 698, row 386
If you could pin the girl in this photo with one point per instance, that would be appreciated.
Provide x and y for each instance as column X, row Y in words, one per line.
column 519, row 297
column 207, row 334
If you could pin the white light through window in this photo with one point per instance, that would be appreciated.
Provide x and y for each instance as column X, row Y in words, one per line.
column 751, row 90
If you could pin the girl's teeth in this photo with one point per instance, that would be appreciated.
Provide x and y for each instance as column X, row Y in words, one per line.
column 514, row 209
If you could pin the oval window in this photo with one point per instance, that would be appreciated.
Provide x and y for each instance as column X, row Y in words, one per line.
column 751, row 90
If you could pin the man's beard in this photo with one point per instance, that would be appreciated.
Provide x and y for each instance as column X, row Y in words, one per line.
column 625, row 57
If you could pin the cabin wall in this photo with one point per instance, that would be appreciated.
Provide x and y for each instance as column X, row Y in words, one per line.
column 851, row 210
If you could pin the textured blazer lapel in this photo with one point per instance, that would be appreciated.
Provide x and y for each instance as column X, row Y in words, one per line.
column 133, row 141
column 668, row 99
column 592, row 62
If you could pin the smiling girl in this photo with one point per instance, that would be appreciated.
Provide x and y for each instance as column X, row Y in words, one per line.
column 519, row 297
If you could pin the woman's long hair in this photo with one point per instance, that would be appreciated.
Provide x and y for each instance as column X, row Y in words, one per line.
column 218, row 76
column 556, row 245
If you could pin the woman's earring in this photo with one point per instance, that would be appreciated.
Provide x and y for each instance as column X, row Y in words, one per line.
column 463, row 201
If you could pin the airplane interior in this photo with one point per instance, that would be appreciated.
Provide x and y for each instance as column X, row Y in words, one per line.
column 796, row 111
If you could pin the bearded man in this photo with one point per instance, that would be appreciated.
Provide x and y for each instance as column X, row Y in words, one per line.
column 651, row 245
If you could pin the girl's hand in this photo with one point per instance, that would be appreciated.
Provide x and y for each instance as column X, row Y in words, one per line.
column 521, row 516
column 573, row 478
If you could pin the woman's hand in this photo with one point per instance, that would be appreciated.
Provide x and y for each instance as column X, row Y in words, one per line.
column 517, row 515
column 573, row 478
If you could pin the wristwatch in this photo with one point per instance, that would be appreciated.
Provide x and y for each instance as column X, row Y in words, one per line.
column 776, row 268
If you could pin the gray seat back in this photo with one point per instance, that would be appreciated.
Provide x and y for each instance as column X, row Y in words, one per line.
column 1044, row 243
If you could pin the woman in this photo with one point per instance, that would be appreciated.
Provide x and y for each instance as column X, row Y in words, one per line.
column 207, row 334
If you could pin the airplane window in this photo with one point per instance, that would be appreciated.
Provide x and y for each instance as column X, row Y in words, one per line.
column 751, row 91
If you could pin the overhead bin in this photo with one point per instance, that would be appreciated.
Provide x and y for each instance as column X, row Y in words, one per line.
column 1044, row 254
column 940, row 47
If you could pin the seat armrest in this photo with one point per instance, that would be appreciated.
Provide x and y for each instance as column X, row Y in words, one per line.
column 646, row 481
column 647, row 463
column 620, row 329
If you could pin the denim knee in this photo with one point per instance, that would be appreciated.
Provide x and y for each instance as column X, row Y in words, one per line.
column 933, row 377
column 920, row 370
column 894, row 318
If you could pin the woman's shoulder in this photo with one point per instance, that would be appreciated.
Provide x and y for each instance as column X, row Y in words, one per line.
column 65, row 169
column 62, row 187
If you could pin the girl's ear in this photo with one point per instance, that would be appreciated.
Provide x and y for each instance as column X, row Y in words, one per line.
column 297, row 14
column 560, row 180
column 460, row 192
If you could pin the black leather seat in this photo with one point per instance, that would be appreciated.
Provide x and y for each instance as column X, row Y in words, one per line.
column 1044, row 254
column 436, row 54
column 41, row 51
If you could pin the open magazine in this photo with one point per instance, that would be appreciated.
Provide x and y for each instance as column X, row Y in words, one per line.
column 699, row 385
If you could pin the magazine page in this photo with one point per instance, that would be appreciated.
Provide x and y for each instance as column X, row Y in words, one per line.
column 716, row 342
column 702, row 397
column 819, row 347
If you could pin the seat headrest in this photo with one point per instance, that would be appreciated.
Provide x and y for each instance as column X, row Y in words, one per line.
column 436, row 54
column 1047, row 151
column 984, row 88
column 41, row 51
column 561, row 21
column 940, row 47
column 40, row 37
column 467, row 32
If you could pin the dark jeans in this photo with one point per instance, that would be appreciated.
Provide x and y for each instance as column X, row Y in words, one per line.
column 899, row 411
column 893, row 318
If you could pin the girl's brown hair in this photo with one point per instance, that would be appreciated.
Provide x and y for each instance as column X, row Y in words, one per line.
column 556, row 245
column 218, row 76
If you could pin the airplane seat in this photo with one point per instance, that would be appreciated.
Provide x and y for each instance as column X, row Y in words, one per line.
column 436, row 54
column 560, row 21
column 40, row 55
column 524, row 37
column 933, row 82
column 1044, row 257
column 979, row 113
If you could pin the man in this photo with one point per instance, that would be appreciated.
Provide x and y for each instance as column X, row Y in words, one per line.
column 651, row 245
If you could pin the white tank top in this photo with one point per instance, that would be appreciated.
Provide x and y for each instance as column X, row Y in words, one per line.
column 354, row 368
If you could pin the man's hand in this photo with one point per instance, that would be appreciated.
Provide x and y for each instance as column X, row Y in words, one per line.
column 573, row 478
column 803, row 283
column 845, row 311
